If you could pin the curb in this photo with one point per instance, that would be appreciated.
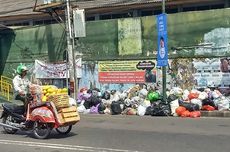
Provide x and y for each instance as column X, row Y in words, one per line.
column 215, row 113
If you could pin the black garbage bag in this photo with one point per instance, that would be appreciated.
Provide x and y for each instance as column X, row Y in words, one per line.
column 149, row 110
column 88, row 103
column 160, row 109
column 95, row 100
column 92, row 101
column 190, row 106
column 106, row 95
column 101, row 108
column 208, row 102
column 116, row 108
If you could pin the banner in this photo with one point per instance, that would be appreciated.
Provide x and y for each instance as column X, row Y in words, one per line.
column 162, row 49
column 79, row 23
column 127, row 72
column 55, row 71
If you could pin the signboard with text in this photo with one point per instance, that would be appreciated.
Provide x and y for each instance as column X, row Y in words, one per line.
column 162, row 49
column 127, row 72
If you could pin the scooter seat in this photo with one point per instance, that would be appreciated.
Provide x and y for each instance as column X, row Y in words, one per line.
column 19, row 109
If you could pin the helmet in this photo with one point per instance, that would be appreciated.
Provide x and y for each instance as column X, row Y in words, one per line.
column 21, row 68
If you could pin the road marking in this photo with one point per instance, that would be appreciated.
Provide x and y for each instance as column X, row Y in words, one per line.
column 62, row 146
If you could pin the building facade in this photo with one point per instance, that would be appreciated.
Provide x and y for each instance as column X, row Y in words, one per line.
column 197, row 31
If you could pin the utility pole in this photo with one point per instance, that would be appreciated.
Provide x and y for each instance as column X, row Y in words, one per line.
column 164, row 67
column 70, row 43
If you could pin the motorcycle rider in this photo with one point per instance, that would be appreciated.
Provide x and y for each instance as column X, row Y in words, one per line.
column 21, row 84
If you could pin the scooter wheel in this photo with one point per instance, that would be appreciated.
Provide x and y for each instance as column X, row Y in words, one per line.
column 64, row 130
column 6, row 119
column 41, row 130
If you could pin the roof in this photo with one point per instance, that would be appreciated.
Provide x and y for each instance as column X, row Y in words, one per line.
column 114, row 3
column 18, row 9
column 25, row 7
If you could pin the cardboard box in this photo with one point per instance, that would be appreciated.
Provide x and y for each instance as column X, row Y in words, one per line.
column 70, row 114
column 72, row 119
column 70, row 109
column 60, row 118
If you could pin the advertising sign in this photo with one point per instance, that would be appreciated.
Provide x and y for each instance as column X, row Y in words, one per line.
column 127, row 72
column 162, row 49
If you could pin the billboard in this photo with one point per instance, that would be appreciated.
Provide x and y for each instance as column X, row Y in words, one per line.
column 127, row 71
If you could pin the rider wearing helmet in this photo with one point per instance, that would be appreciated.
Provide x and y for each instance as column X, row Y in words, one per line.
column 21, row 83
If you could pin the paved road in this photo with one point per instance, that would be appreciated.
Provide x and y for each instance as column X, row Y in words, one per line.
column 106, row 133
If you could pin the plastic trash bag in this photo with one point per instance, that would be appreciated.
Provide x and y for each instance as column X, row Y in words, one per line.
column 174, row 105
column 81, row 109
column 197, row 101
column 223, row 104
column 72, row 102
column 203, row 95
column 94, row 109
column 141, row 110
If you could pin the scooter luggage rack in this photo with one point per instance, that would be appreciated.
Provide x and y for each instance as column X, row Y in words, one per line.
column 58, row 119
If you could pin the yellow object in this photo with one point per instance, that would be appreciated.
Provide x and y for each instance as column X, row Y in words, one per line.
column 72, row 119
column 60, row 118
column 44, row 98
column 70, row 109
column 44, row 91
column 59, row 91
column 6, row 87
column 70, row 114
column 64, row 90
column 50, row 90
column 46, row 87
column 60, row 100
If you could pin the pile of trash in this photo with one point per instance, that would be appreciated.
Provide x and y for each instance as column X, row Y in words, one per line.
column 147, row 100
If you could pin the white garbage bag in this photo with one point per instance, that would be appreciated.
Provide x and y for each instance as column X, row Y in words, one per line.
column 223, row 104
column 141, row 110
column 185, row 95
column 81, row 109
column 72, row 102
column 173, row 105
column 197, row 101
column 203, row 95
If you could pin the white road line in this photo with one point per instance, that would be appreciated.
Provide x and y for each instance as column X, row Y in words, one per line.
column 62, row 146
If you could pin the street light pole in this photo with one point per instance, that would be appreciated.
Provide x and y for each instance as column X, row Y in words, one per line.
column 164, row 67
column 70, row 41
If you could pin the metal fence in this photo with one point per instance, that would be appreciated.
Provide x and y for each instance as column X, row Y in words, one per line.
column 6, row 88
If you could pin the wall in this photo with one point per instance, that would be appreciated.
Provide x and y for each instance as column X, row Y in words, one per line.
column 190, row 34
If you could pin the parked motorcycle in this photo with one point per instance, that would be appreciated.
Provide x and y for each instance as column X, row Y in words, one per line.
column 39, row 118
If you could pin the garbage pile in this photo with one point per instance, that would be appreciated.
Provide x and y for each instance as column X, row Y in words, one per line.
column 147, row 100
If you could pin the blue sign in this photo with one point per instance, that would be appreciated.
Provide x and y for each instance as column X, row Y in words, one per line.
column 162, row 47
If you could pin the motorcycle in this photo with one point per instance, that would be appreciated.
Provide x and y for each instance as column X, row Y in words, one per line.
column 39, row 118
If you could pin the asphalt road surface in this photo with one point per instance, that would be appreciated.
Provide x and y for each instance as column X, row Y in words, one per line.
column 106, row 133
